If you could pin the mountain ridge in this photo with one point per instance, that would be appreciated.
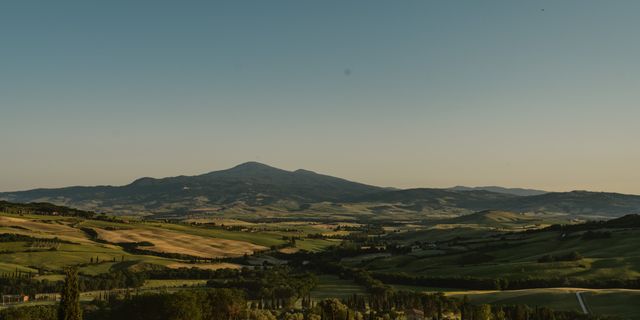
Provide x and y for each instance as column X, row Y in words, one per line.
column 498, row 189
column 254, row 184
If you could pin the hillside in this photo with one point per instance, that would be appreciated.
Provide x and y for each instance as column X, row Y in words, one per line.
column 437, row 202
column 267, row 191
column 496, row 218
column 606, row 250
column 575, row 202
column 474, row 252
column 513, row 191
column 251, row 183
column 33, row 237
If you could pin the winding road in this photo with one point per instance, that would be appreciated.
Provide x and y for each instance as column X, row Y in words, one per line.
column 582, row 305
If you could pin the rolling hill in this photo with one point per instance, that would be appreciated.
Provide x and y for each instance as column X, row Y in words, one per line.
column 576, row 203
column 579, row 203
column 513, row 191
column 434, row 200
column 493, row 217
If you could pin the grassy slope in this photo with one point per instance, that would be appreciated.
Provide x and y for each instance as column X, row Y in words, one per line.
column 558, row 299
column 507, row 220
column 330, row 286
column 622, row 303
column 604, row 258
column 266, row 239
column 23, row 257
column 315, row 245
column 612, row 302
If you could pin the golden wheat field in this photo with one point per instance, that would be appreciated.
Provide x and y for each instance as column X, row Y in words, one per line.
column 174, row 242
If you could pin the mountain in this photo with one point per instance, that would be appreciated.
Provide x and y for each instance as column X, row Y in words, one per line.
column 251, row 183
column 604, row 204
column 513, row 191
column 248, row 186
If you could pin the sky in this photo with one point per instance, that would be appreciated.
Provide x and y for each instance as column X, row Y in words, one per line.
column 538, row 94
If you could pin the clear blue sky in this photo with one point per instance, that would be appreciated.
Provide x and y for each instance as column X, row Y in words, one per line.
column 541, row 94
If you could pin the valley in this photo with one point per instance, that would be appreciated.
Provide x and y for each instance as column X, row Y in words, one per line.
column 488, row 257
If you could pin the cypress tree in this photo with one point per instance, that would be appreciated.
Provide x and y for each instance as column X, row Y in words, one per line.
column 69, row 308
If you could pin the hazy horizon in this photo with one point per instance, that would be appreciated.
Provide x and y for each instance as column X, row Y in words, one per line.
column 539, row 95
column 324, row 173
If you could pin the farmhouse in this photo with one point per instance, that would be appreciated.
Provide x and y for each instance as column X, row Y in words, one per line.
column 14, row 298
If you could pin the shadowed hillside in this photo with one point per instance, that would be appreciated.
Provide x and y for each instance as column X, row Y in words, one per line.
column 252, row 187
column 575, row 202
column 251, row 183
column 491, row 217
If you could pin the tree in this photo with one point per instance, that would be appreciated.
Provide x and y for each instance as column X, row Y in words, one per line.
column 465, row 312
column 224, row 304
column 293, row 316
column 69, row 308
column 482, row 312
column 29, row 313
column 499, row 314
column 332, row 309
column 260, row 315
column 181, row 306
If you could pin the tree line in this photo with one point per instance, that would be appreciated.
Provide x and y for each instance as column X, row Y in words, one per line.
column 43, row 208
column 105, row 281
column 381, row 303
column 473, row 283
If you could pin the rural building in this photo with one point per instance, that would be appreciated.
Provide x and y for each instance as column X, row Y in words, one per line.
column 14, row 298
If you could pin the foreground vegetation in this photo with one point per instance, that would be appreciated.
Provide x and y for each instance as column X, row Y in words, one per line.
column 272, row 295
column 490, row 265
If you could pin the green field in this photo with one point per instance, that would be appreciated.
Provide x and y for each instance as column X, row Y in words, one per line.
column 331, row 286
column 266, row 239
column 612, row 302
column 315, row 245
column 516, row 256
column 557, row 299
column 78, row 248
column 49, row 244
column 621, row 303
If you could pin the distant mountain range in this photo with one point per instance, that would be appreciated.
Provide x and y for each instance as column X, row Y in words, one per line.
column 513, row 191
column 257, row 185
